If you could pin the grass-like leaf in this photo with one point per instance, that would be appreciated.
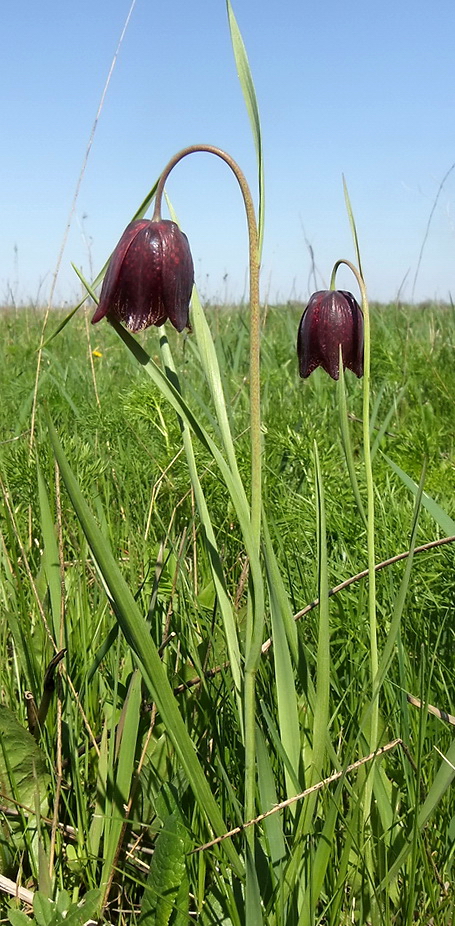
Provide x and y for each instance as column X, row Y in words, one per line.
column 138, row 636
column 119, row 788
column 281, row 617
column 446, row 523
column 51, row 561
column 347, row 446
column 353, row 225
column 249, row 94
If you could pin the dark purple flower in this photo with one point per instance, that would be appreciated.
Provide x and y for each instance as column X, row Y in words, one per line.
column 149, row 278
column 331, row 318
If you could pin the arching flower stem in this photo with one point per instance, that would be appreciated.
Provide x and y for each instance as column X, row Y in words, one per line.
column 255, row 388
column 254, row 619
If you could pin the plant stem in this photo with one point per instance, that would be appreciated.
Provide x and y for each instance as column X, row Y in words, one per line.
column 255, row 328
column 255, row 615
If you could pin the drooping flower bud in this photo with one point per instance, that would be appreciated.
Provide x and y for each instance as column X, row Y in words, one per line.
column 332, row 318
column 149, row 278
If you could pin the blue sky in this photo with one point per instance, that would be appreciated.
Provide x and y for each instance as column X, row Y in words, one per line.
column 364, row 89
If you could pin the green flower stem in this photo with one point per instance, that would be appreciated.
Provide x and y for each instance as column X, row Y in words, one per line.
column 374, row 661
column 254, row 618
column 255, row 330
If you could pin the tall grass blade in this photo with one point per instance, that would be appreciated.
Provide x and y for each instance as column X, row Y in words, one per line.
column 288, row 719
column 321, row 710
column 249, row 95
column 51, row 559
column 137, row 634
column 253, row 907
column 210, row 365
column 321, row 702
column 346, row 441
column 123, row 767
column 268, row 798
column 395, row 623
column 442, row 782
column 446, row 523
column 386, row 421
column 353, row 226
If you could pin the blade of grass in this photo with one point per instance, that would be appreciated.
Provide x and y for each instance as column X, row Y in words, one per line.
column 353, row 226
column 346, row 441
column 273, row 827
column 446, row 523
column 284, row 675
column 442, row 781
column 385, row 424
column 51, row 560
column 321, row 710
column 120, row 786
column 249, row 95
column 137, row 634
column 230, row 628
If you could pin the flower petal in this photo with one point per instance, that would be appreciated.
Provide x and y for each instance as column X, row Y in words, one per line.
column 111, row 278
column 332, row 319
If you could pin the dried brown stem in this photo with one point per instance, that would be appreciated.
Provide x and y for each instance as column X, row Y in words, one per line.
column 298, row 797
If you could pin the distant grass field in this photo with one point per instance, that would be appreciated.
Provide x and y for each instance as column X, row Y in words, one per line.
column 104, row 747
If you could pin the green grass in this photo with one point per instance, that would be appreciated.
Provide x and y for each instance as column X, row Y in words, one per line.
column 105, row 746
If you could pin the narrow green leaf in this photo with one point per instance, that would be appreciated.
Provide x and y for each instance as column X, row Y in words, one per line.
column 323, row 854
column 249, row 95
column 346, row 441
column 90, row 289
column 443, row 780
column 321, row 711
column 137, row 634
column 281, row 617
column 121, row 786
column 321, row 705
column 51, row 560
column 395, row 623
column 281, row 598
column 212, row 548
column 210, row 365
column 446, row 523
column 268, row 798
column 253, row 906
column 169, row 387
column 99, row 819
column 386, row 421
column 62, row 324
column 353, row 226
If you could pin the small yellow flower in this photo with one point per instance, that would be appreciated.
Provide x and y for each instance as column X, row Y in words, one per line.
column 96, row 353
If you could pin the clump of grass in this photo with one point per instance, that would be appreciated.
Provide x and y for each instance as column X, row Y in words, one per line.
column 124, row 453
column 207, row 742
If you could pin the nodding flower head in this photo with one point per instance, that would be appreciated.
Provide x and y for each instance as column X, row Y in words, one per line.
column 332, row 319
column 149, row 278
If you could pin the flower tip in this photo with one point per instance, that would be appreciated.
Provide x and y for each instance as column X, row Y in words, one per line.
column 99, row 313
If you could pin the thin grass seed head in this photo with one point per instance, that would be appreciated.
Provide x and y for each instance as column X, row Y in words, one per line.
column 149, row 278
column 332, row 318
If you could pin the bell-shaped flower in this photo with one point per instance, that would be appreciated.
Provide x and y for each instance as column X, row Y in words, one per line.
column 332, row 319
column 149, row 278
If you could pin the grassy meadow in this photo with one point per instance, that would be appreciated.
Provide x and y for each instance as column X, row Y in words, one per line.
column 130, row 553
